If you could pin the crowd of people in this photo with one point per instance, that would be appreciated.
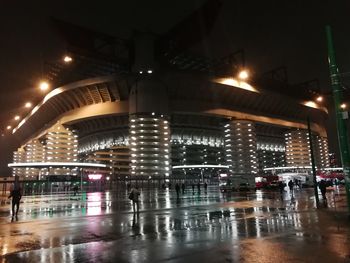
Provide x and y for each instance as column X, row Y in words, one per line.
column 180, row 188
column 322, row 185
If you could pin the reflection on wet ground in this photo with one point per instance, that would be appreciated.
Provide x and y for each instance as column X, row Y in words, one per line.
column 209, row 227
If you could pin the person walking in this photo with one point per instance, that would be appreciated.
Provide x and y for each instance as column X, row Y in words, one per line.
column 75, row 189
column 205, row 187
column 323, row 188
column 192, row 188
column 281, row 186
column 134, row 197
column 199, row 187
column 291, row 186
column 183, row 188
column 16, row 196
column 177, row 188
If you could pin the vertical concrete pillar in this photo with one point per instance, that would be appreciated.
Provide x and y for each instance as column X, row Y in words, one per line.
column 149, row 129
column 297, row 148
column 241, row 150
column 150, row 145
column 321, row 151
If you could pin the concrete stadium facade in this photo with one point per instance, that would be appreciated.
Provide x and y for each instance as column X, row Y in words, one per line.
column 164, row 124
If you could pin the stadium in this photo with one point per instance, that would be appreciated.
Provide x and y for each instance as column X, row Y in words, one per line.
column 157, row 112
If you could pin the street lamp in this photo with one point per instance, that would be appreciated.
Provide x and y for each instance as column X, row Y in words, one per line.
column 319, row 99
column 28, row 105
column 342, row 131
column 67, row 59
column 44, row 86
column 243, row 74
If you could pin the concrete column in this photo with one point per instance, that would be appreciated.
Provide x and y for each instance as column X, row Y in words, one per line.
column 150, row 146
column 297, row 148
column 149, row 129
column 321, row 151
column 241, row 150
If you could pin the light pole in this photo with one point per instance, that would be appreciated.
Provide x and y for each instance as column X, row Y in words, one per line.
column 313, row 162
column 339, row 111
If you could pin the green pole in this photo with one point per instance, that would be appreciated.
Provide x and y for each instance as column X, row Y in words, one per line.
column 313, row 163
column 341, row 125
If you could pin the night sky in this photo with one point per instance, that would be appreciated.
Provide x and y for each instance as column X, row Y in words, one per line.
column 272, row 33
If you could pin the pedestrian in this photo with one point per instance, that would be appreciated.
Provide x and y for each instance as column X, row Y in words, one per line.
column 75, row 189
column 183, row 188
column 199, row 187
column 16, row 198
column 291, row 186
column 299, row 184
column 205, row 186
column 281, row 186
column 134, row 197
column 192, row 188
column 323, row 188
column 177, row 188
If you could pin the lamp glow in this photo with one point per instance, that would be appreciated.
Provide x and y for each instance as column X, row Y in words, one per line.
column 17, row 118
column 319, row 99
column 44, row 86
column 243, row 74
column 67, row 59
column 28, row 105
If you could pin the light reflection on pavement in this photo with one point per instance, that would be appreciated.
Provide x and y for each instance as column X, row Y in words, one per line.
column 208, row 227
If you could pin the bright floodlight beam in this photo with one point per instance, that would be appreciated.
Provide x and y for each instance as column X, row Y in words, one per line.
column 44, row 86
column 67, row 59
column 28, row 105
column 319, row 99
column 243, row 74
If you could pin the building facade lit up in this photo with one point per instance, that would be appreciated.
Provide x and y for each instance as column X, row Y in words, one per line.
column 155, row 108
column 156, row 126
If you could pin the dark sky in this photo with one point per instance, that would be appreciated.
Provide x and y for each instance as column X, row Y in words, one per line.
column 272, row 33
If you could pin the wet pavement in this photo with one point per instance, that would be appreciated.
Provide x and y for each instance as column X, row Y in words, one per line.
column 196, row 227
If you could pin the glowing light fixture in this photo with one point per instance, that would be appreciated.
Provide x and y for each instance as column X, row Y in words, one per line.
column 200, row 166
column 236, row 83
column 311, row 104
column 243, row 74
column 67, row 59
column 343, row 106
column 17, row 118
column 28, row 105
column 319, row 99
column 8, row 127
column 55, row 164
column 44, row 86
